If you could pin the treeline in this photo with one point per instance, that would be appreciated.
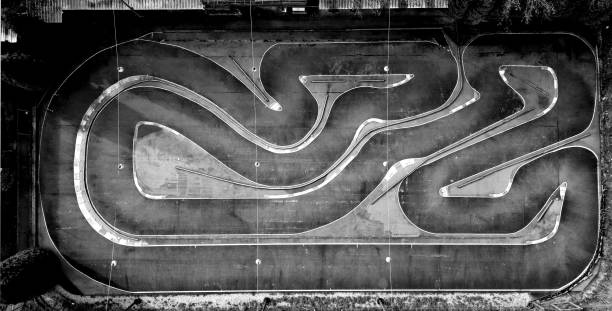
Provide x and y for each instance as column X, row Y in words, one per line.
column 592, row 13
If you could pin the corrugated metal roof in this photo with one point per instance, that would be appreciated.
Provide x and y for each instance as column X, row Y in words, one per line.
column 377, row 4
column 51, row 10
column 7, row 34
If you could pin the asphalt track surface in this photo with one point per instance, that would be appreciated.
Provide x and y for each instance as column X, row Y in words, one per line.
column 546, row 266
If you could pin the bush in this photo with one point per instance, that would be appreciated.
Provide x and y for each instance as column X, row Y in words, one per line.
column 27, row 274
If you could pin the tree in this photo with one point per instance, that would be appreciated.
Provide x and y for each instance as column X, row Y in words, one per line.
column 528, row 9
column 474, row 12
column 27, row 274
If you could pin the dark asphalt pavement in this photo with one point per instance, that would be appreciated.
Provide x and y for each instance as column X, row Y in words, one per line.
column 546, row 266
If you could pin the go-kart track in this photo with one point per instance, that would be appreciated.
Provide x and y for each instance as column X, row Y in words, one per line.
column 190, row 162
